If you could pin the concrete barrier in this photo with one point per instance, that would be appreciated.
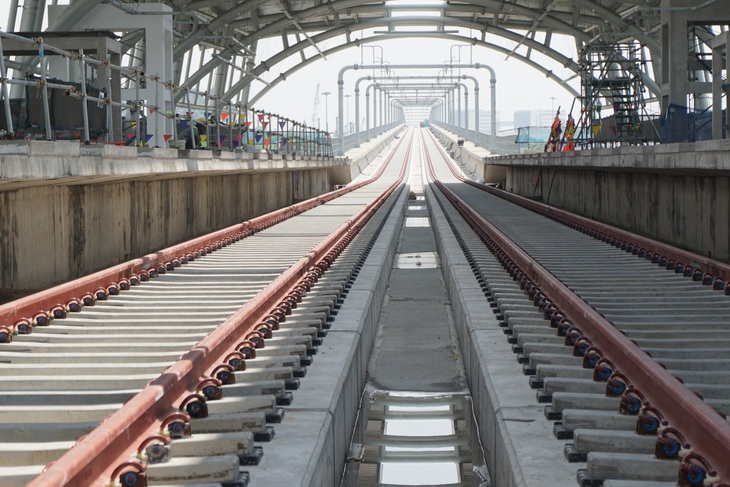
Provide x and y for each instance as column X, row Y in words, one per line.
column 675, row 193
column 359, row 158
column 68, row 210
column 312, row 442
column 519, row 447
column 475, row 162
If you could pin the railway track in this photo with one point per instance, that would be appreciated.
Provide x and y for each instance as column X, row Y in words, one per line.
column 209, row 337
column 620, row 335
column 617, row 334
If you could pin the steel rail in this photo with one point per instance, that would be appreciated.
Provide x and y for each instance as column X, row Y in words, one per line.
column 38, row 308
column 709, row 268
column 706, row 431
column 92, row 459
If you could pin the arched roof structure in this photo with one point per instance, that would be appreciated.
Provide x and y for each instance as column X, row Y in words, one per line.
column 221, row 36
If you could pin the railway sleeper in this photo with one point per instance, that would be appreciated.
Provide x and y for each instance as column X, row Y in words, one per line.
column 574, row 419
column 19, row 476
column 109, row 336
column 592, row 440
column 637, row 483
column 80, row 382
column 39, row 432
column 630, row 466
column 275, row 387
column 579, row 400
column 254, row 422
column 65, row 397
column 536, row 337
column 222, row 469
column 267, row 361
column 80, row 413
column 33, row 348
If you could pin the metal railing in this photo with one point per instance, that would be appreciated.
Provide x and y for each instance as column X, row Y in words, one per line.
column 503, row 145
column 228, row 126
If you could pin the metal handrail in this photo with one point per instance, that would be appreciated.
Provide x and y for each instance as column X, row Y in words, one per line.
column 264, row 130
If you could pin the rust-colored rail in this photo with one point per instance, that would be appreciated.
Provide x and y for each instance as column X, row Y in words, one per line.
column 705, row 430
column 106, row 450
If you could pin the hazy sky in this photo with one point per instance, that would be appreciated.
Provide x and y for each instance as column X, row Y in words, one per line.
column 519, row 87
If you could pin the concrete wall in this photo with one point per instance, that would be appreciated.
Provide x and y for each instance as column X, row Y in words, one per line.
column 93, row 215
column 359, row 158
column 474, row 160
column 677, row 193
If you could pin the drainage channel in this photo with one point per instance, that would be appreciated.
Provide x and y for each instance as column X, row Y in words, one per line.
column 416, row 424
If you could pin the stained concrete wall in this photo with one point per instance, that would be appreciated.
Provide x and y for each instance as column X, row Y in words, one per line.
column 52, row 233
column 677, row 193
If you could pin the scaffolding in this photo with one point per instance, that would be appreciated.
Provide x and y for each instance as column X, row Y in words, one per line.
column 612, row 97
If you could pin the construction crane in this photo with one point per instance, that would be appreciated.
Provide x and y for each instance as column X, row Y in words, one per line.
column 315, row 109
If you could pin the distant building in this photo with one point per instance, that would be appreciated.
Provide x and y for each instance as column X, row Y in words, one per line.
column 533, row 118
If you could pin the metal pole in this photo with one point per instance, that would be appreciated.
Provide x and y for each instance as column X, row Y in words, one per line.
column 357, row 117
column 476, row 115
column 341, row 112
column 46, row 109
column 367, row 113
column 84, row 107
column 4, row 84
column 466, row 108
column 137, row 113
column 458, row 105
column 207, row 127
column 230, row 125
column 109, row 106
column 217, row 123
column 493, row 107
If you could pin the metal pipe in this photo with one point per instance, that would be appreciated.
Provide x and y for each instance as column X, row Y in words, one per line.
column 84, row 107
column 492, row 81
column 367, row 113
column 137, row 114
column 5, row 94
column 46, row 109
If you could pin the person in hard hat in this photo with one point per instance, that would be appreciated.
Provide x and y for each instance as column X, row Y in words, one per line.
column 191, row 135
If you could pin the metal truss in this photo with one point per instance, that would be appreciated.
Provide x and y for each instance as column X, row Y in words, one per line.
column 222, row 37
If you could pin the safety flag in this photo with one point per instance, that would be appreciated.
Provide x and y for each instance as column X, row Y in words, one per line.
column 167, row 137
column 148, row 137
column 224, row 116
column 281, row 124
column 258, row 138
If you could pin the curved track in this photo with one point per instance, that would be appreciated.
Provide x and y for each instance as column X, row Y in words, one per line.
column 214, row 342
column 618, row 334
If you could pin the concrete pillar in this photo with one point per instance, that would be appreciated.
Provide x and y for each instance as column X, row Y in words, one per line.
column 676, row 15
column 720, row 50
